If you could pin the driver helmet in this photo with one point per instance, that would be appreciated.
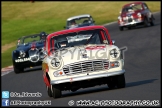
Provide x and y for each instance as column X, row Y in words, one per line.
column 43, row 35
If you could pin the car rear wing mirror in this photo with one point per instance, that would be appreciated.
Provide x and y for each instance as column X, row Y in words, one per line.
column 18, row 41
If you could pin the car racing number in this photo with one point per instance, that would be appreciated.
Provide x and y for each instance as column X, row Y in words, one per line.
column 22, row 60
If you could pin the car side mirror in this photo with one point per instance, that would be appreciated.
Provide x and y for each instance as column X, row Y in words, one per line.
column 113, row 42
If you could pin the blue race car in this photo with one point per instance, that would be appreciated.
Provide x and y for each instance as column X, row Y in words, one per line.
column 28, row 52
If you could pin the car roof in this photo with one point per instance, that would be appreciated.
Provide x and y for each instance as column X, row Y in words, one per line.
column 132, row 3
column 75, row 30
column 78, row 16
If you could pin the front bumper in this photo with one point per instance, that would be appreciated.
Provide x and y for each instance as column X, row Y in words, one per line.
column 134, row 22
column 27, row 64
column 87, row 77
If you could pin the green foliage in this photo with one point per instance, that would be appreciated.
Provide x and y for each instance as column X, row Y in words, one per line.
column 7, row 57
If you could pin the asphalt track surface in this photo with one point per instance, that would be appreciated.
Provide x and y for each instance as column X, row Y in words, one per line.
column 142, row 65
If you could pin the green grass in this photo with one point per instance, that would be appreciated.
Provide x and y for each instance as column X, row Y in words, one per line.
column 25, row 18
column 7, row 57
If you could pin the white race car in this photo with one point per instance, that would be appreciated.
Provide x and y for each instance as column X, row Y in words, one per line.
column 71, row 64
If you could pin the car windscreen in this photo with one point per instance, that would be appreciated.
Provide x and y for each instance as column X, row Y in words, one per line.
column 80, row 21
column 30, row 39
column 76, row 39
column 134, row 7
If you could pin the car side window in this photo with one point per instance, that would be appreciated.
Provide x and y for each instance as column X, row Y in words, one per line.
column 145, row 6
column 125, row 10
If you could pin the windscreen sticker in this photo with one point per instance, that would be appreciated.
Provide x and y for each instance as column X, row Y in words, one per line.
column 94, row 47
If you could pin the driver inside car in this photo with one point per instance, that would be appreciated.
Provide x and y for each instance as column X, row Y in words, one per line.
column 73, row 24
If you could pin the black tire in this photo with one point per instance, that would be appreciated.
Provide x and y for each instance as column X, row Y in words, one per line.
column 152, row 22
column 49, row 92
column 18, row 70
column 111, row 82
column 146, row 23
column 120, row 81
column 121, row 28
column 129, row 28
column 56, row 92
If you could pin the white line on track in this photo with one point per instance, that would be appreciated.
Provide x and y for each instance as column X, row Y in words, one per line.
column 5, row 73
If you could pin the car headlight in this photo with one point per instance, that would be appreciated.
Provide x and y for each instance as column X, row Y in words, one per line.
column 55, row 62
column 22, row 53
column 114, row 53
column 119, row 18
column 139, row 14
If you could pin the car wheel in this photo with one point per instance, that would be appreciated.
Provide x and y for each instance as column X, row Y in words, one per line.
column 49, row 92
column 111, row 83
column 129, row 28
column 152, row 22
column 18, row 70
column 120, row 81
column 121, row 28
column 56, row 92
column 146, row 23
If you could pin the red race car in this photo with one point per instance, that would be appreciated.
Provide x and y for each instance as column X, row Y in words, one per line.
column 133, row 14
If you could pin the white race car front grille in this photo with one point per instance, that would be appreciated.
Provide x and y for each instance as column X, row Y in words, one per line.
column 86, row 66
